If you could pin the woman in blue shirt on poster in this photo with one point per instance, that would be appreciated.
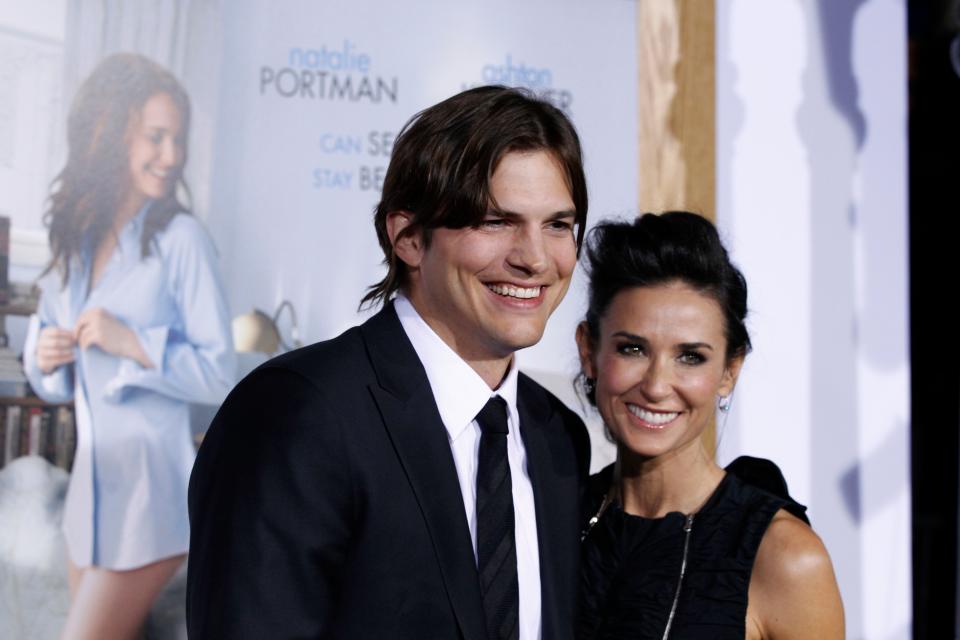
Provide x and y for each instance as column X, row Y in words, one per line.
column 132, row 326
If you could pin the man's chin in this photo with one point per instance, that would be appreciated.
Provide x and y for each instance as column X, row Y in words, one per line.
column 517, row 340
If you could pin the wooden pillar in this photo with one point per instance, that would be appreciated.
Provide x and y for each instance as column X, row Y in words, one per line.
column 677, row 97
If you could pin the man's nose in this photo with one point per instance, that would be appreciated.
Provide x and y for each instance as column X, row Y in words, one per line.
column 529, row 251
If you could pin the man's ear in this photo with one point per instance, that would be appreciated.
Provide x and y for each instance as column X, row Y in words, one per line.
column 407, row 244
column 585, row 348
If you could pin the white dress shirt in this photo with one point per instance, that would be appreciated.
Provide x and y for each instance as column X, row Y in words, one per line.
column 460, row 394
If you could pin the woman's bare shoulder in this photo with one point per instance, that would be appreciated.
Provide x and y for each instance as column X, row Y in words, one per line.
column 793, row 589
column 790, row 550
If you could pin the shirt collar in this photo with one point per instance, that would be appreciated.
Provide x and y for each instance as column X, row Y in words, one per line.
column 459, row 391
column 128, row 239
column 132, row 230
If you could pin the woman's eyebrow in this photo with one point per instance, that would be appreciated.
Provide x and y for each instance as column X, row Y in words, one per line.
column 628, row 336
column 695, row 345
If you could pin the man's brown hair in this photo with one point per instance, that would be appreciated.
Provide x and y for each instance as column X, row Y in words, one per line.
column 445, row 156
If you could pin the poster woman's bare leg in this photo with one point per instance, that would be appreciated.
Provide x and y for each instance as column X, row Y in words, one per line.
column 114, row 604
column 74, row 575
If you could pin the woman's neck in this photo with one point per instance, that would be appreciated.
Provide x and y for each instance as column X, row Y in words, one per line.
column 129, row 208
column 680, row 480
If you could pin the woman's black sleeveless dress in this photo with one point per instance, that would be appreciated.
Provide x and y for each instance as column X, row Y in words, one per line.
column 631, row 565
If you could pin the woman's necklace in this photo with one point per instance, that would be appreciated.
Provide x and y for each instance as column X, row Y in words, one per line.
column 687, row 530
column 592, row 522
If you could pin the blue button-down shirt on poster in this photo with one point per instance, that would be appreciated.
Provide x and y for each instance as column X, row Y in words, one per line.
column 126, row 505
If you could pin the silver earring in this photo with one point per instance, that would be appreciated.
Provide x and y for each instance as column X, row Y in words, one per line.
column 590, row 385
column 723, row 403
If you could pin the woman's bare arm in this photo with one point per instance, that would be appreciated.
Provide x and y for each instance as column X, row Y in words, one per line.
column 793, row 590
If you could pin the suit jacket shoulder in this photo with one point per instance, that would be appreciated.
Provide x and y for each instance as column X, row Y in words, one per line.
column 551, row 410
column 334, row 363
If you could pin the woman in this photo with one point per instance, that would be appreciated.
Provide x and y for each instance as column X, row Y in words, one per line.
column 674, row 546
column 132, row 326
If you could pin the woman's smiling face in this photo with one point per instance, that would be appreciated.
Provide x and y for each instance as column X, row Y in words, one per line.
column 156, row 148
column 659, row 362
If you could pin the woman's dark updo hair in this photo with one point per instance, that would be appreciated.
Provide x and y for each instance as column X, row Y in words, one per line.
column 676, row 246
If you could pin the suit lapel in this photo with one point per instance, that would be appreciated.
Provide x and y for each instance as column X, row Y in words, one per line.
column 410, row 414
column 539, row 425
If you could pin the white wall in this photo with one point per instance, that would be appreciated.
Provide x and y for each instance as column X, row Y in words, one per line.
column 812, row 201
column 31, row 102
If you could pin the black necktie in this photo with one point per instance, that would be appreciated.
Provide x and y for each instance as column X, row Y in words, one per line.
column 496, row 545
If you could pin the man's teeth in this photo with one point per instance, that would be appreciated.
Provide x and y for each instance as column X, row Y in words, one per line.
column 515, row 292
column 655, row 418
column 158, row 172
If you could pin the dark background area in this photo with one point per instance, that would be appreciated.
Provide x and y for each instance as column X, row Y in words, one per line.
column 934, row 165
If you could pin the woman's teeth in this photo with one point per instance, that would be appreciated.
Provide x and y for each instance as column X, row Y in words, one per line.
column 655, row 418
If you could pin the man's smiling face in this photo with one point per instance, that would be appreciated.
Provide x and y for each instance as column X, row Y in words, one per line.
column 488, row 290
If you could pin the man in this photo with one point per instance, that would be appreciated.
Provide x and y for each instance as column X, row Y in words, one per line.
column 404, row 480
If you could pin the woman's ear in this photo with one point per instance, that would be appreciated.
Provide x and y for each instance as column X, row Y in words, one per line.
column 585, row 348
column 407, row 243
column 730, row 374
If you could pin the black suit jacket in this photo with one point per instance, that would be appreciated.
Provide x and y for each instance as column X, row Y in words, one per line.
column 325, row 503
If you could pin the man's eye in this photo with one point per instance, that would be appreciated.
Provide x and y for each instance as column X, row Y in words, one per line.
column 561, row 225
column 494, row 222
